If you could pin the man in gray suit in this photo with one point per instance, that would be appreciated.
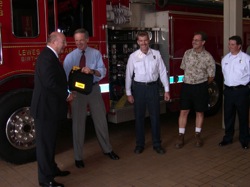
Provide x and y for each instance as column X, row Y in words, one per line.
column 93, row 65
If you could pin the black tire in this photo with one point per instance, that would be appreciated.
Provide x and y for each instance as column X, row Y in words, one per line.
column 17, row 129
column 215, row 90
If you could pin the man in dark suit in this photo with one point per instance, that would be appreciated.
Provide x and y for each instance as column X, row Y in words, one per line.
column 49, row 107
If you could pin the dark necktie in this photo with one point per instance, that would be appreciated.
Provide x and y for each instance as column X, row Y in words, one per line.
column 82, row 60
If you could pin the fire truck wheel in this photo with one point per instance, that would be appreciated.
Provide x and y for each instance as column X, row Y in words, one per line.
column 17, row 130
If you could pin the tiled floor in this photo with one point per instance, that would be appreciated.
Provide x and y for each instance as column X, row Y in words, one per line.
column 210, row 165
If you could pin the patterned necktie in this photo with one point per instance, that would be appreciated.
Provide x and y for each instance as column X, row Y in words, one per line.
column 82, row 60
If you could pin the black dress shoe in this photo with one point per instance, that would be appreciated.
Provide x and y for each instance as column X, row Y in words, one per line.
column 224, row 143
column 112, row 155
column 62, row 173
column 138, row 150
column 244, row 145
column 51, row 184
column 159, row 150
column 79, row 163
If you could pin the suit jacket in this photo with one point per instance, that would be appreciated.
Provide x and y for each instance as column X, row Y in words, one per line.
column 50, row 91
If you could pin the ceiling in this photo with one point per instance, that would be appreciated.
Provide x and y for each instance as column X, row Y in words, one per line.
column 204, row 1
column 218, row 4
column 197, row 2
column 216, row 1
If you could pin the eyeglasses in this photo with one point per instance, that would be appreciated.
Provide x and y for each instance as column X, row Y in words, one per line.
column 197, row 40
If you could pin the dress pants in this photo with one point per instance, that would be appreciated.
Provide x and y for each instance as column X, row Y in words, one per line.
column 98, row 113
column 46, row 134
column 236, row 100
column 147, row 96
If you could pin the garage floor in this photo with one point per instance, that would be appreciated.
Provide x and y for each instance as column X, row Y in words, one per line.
column 210, row 165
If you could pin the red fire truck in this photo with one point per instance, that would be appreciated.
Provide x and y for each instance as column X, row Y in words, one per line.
column 113, row 25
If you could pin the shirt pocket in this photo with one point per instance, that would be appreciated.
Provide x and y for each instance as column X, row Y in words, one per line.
column 240, row 70
column 140, row 67
column 153, row 64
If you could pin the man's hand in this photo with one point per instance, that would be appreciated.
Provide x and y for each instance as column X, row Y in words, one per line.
column 86, row 70
column 130, row 99
column 210, row 79
column 71, row 96
column 166, row 96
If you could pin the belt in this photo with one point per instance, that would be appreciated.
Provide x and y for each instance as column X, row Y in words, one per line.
column 235, row 87
column 94, row 83
column 145, row 83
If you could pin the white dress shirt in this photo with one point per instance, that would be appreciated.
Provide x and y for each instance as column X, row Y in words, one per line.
column 146, row 68
column 236, row 69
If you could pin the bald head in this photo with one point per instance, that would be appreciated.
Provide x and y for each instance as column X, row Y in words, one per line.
column 57, row 41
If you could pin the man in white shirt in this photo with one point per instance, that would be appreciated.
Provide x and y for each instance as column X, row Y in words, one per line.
column 144, row 67
column 236, row 72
